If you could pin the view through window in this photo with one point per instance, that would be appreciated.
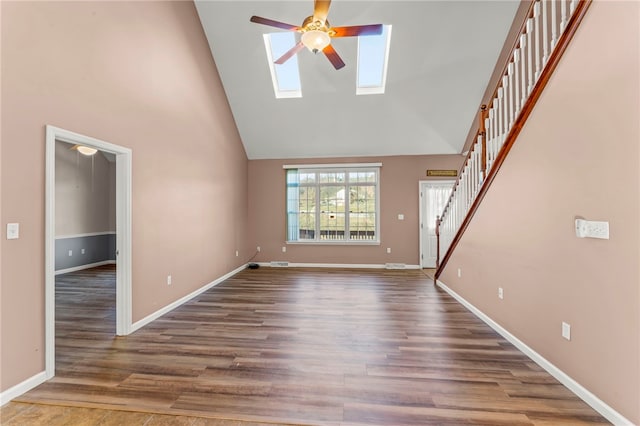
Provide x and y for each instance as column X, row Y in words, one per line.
column 333, row 205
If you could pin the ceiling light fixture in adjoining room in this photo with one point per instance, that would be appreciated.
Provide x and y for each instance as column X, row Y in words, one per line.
column 85, row 150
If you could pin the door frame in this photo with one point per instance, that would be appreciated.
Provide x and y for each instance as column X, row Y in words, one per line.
column 422, row 230
column 123, row 234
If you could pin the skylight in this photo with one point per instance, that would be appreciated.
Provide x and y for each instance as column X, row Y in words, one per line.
column 373, row 55
column 285, row 77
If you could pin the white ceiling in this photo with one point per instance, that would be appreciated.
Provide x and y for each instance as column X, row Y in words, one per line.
column 441, row 58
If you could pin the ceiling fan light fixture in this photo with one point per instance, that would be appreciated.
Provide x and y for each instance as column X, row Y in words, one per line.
column 85, row 150
column 315, row 40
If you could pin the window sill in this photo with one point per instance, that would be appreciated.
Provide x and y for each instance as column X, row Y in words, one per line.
column 334, row 243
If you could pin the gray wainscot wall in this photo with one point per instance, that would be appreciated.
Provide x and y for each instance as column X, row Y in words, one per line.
column 98, row 248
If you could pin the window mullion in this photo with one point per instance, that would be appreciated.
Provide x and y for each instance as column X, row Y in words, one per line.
column 318, row 208
column 347, row 207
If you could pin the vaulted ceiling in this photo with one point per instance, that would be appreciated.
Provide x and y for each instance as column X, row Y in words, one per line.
column 441, row 58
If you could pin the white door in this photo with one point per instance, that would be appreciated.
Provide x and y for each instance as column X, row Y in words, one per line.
column 433, row 197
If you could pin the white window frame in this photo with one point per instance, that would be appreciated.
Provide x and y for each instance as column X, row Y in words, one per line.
column 342, row 168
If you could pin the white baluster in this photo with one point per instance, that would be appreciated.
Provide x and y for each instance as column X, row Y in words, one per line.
column 487, row 137
column 554, row 23
column 476, row 168
column 517, row 82
column 479, row 160
column 563, row 13
column 572, row 6
column 499, row 114
column 523, row 71
column 536, row 17
column 465, row 191
column 505, row 110
column 512, row 109
column 529, row 56
column 471, row 182
column 496, row 134
column 545, row 31
column 468, row 192
column 474, row 174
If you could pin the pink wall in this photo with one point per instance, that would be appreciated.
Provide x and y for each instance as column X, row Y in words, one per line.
column 139, row 75
column 578, row 155
column 399, row 177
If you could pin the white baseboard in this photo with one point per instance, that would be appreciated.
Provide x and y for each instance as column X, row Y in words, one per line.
column 87, row 266
column 340, row 265
column 23, row 387
column 157, row 314
column 596, row 403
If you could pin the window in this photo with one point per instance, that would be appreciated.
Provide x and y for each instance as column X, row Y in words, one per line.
column 285, row 77
column 333, row 204
column 373, row 57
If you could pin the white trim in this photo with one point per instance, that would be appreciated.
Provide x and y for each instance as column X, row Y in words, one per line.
column 331, row 166
column 124, row 302
column 88, row 234
column 335, row 242
column 86, row 266
column 596, row 403
column 157, row 314
column 123, row 230
column 21, row 388
column 339, row 265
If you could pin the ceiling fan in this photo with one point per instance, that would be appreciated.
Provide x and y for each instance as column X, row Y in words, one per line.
column 317, row 33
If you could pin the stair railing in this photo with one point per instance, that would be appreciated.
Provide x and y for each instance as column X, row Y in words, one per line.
column 545, row 35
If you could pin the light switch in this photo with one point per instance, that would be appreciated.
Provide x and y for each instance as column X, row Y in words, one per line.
column 566, row 330
column 592, row 229
column 13, row 231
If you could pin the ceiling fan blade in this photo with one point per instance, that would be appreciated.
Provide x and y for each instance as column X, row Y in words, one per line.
column 284, row 58
column 321, row 10
column 333, row 57
column 357, row 30
column 272, row 23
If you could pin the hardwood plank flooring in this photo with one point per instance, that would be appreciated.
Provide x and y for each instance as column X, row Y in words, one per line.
column 292, row 346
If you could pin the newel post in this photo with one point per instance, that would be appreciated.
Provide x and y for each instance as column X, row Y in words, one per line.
column 483, row 134
column 437, row 242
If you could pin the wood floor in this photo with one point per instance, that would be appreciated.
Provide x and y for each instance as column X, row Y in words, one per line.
column 296, row 346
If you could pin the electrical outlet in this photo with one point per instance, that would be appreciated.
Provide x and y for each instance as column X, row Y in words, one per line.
column 500, row 293
column 237, row 253
column 168, row 279
column 388, row 249
column 566, row 330
column 258, row 249
column 70, row 252
column 459, row 273
column 81, row 251
column 284, row 249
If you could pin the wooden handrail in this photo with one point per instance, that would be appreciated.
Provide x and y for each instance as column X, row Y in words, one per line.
column 552, row 63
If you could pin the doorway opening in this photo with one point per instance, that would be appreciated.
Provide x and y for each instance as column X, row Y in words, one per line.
column 122, row 157
column 434, row 195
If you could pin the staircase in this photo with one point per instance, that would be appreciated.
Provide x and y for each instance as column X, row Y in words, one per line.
column 544, row 36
